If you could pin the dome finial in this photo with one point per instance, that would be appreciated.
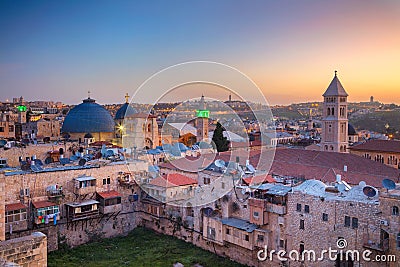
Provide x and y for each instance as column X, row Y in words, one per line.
column 88, row 92
column 127, row 98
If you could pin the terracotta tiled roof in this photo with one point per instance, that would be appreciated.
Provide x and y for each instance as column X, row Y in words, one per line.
column 109, row 194
column 15, row 206
column 259, row 179
column 43, row 204
column 310, row 164
column 172, row 180
column 379, row 145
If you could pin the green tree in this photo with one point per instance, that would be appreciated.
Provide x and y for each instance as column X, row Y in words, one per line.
column 220, row 141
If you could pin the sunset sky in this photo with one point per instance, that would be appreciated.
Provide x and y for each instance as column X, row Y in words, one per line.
column 59, row 50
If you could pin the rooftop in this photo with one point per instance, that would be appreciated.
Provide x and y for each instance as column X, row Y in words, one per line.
column 379, row 146
column 172, row 180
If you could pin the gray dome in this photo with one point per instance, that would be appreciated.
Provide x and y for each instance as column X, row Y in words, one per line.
column 88, row 117
column 124, row 111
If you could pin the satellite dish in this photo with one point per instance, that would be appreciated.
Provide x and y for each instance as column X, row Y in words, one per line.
column 388, row 184
column 369, row 191
column 362, row 184
column 220, row 163
column 25, row 167
column 341, row 188
column 82, row 162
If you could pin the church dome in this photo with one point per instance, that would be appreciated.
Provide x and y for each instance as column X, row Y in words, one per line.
column 88, row 117
column 351, row 130
column 124, row 111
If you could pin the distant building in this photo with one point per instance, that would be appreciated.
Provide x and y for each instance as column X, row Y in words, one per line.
column 384, row 151
column 42, row 128
column 7, row 126
column 134, row 129
column 334, row 123
column 371, row 99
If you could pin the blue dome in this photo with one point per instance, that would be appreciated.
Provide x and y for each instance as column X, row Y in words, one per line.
column 125, row 110
column 88, row 117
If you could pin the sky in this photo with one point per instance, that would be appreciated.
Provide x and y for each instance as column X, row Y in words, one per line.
column 59, row 50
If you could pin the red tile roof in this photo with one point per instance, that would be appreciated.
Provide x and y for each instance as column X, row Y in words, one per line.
column 43, row 204
column 308, row 164
column 15, row 206
column 172, row 180
column 259, row 179
column 379, row 145
column 109, row 194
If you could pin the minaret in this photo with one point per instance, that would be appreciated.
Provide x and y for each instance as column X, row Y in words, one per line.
column 202, row 115
column 335, row 123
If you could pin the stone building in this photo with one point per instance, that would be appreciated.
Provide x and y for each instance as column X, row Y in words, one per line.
column 42, row 128
column 384, row 151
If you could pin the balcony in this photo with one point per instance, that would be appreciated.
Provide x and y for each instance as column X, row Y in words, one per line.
column 84, row 185
column 382, row 246
column 274, row 208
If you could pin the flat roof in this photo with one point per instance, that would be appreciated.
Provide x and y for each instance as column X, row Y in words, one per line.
column 43, row 204
column 240, row 224
column 83, row 203
column 85, row 178
column 109, row 194
column 15, row 206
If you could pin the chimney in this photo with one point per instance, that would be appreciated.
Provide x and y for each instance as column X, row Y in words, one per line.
column 338, row 178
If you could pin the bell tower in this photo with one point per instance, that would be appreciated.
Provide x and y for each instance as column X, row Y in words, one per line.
column 202, row 115
column 335, row 122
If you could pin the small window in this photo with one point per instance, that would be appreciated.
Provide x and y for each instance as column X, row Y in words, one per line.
column 395, row 210
column 281, row 243
column 325, row 217
column 207, row 180
column 298, row 207
column 260, row 238
column 255, row 214
column 228, row 231
column 347, row 221
column 398, row 240
column 306, row 209
column 301, row 224
column 301, row 248
column 246, row 237
column 354, row 223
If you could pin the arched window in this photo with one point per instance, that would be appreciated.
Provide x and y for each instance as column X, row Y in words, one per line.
column 149, row 127
column 333, row 112
column 329, row 112
column 395, row 210
column 326, row 147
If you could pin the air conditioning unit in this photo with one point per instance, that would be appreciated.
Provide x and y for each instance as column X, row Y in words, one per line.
column 384, row 222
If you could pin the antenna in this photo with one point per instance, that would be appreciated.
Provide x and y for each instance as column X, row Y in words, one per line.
column 362, row 184
column 82, row 162
column 369, row 191
column 388, row 184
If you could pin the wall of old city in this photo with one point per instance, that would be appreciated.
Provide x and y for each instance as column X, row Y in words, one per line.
column 318, row 234
column 77, row 232
column 30, row 251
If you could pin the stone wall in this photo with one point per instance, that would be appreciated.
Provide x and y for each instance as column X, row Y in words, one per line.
column 74, row 233
column 30, row 251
